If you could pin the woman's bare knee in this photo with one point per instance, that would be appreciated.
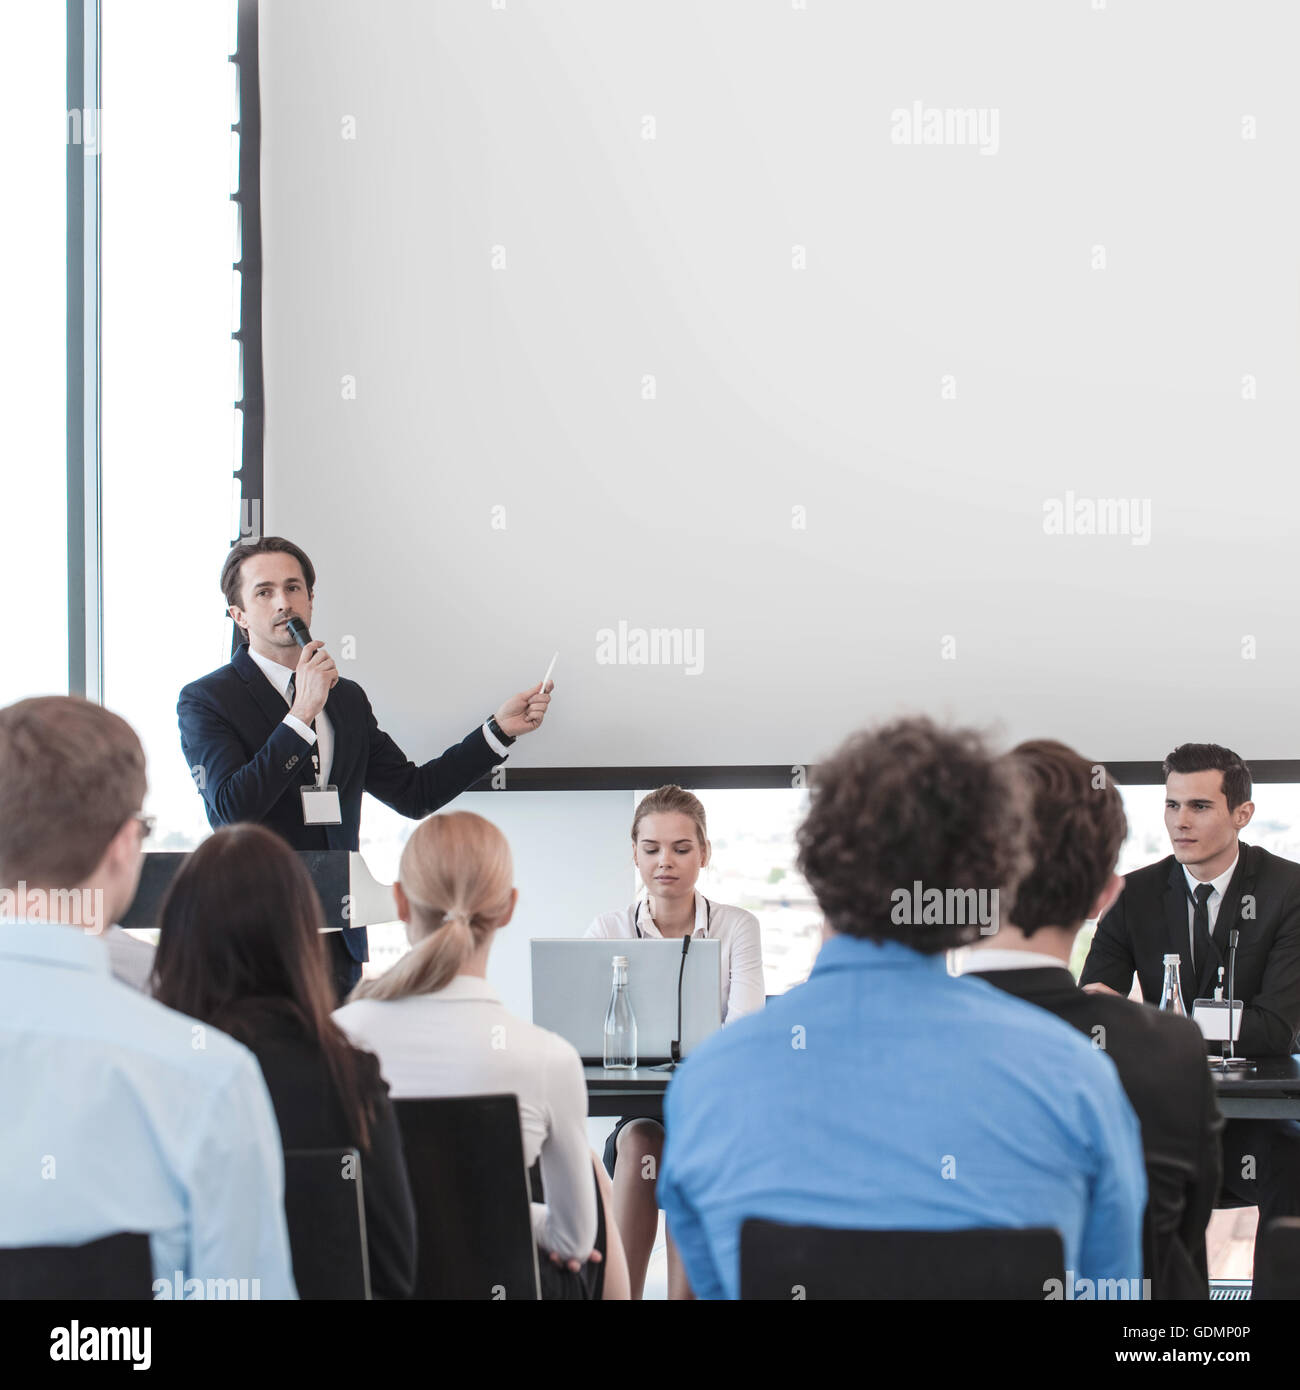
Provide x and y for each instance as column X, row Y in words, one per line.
column 640, row 1137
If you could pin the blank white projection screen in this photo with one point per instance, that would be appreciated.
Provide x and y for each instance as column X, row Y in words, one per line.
column 789, row 367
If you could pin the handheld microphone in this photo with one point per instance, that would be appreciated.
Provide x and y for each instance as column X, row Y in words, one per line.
column 298, row 631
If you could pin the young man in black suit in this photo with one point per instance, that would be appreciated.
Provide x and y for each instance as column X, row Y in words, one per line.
column 275, row 722
column 1189, row 904
column 1078, row 828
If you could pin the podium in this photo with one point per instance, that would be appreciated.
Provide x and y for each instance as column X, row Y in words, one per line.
column 350, row 895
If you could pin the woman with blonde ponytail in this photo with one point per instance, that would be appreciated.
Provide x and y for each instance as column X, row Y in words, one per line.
column 440, row 1029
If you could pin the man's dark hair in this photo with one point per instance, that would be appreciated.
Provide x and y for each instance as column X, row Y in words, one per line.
column 1077, row 825
column 1210, row 757
column 904, row 803
column 266, row 545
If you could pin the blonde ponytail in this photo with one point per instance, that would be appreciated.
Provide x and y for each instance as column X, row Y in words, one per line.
column 457, row 874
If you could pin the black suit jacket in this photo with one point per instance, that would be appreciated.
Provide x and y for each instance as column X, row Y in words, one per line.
column 1149, row 919
column 311, row 1116
column 1161, row 1063
column 250, row 765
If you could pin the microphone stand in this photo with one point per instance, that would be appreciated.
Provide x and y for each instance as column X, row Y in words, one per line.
column 675, row 1047
column 1229, row 1061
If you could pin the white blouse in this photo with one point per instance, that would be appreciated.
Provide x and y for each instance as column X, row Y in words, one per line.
column 462, row 1041
column 735, row 929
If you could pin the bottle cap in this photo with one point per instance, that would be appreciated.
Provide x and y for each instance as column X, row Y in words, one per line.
column 1173, row 960
column 622, row 960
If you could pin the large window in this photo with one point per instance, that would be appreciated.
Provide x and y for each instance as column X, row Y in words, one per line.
column 168, row 388
column 753, row 865
column 33, row 458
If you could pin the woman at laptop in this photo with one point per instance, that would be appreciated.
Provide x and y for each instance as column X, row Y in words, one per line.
column 440, row 1029
column 670, row 846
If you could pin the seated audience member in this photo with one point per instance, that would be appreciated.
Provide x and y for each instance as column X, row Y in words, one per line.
column 253, row 964
column 670, row 845
column 435, row 1024
column 1189, row 903
column 113, row 1120
column 884, row 1092
column 1078, row 830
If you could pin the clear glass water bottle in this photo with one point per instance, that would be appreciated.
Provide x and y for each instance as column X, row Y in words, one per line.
column 1171, row 992
column 620, row 1022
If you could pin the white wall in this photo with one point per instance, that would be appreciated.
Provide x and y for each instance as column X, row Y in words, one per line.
column 573, row 859
column 572, row 853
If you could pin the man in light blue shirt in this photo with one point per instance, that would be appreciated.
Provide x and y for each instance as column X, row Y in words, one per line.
column 884, row 1092
column 119, row 1114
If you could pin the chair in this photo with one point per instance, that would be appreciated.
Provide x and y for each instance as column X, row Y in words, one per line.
column 785, row 1262
column 465, row 1158
column 324, row 1206
column 1277, row 1260
column 1173, row 1253
column 113, row 1267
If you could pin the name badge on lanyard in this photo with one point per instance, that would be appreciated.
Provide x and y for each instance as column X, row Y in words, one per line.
column 320, row 805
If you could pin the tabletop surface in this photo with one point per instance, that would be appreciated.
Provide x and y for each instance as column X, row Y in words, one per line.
column 1278, row 1076
column 638, row 1078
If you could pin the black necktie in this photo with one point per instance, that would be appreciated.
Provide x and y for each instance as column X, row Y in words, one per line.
column 1201, row 923
column 315, row 748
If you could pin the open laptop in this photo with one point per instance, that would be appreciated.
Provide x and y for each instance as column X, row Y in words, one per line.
column 573, row 980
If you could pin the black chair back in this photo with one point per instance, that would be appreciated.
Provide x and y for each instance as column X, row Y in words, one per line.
column 465, row 1157
column 1277, row 1260
column 324, row 1205
column 792, row 1262
column 113, row 1267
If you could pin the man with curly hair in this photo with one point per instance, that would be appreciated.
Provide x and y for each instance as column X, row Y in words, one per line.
column 885, row 1092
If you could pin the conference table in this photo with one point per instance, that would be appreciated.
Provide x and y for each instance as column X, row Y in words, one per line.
column 1268, row 1091
column 638, row 1092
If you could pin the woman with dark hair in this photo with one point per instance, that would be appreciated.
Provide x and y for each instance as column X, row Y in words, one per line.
column 240, row 949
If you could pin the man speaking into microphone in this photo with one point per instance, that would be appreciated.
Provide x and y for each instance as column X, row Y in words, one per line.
column 277, row 737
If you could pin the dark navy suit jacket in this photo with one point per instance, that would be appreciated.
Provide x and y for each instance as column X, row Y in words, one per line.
column 249, row 764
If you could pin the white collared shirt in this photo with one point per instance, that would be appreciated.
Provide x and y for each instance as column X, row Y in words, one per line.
column 462, row 1041
column 324, row 732
column 967, row 959
column 735, row 929
column 1213, row 903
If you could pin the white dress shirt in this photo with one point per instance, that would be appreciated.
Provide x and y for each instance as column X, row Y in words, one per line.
column 129, row 958
column 735, row 929
column 462, row 1041
column 123, row 1115
column 279, row 677
column 1213, row 903
column 964, row 960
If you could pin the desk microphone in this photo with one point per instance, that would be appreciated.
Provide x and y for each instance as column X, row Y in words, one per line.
column 675, row 1049
column 1233, row 937
column 298, row 631
column 1230, row 1061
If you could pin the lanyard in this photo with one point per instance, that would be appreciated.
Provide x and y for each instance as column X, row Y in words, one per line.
column 708, row 918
